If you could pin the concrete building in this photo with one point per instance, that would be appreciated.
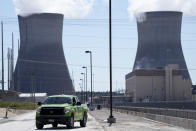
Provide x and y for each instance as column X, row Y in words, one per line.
column 158, row 85
column 160, row 72
column 38, row 97
column 41, row 66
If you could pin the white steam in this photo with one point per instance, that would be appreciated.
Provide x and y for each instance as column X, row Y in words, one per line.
column 70, row 8
column 188, row 7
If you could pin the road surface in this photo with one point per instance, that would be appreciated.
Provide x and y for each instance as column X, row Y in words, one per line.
column 26, row 122
column 127, row 122
column 96, row 122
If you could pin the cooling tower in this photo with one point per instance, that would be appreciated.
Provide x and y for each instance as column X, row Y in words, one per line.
column 159, row 41
column 41, row 65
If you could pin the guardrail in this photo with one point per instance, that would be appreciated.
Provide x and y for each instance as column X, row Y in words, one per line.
column 164, row 104
column 188, row 114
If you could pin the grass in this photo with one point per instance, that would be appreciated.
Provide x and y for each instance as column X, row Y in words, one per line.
column 18, row 105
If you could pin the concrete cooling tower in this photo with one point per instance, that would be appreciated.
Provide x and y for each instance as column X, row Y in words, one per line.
column 160, row 71
column 41, row 65
column 159, row 42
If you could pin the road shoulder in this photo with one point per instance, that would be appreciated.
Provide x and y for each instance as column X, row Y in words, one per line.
column 131, row 123
column 12, row 113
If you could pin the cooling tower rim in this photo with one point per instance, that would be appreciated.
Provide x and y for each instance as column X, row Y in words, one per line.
column 143, row 16
column 41, row 14
column 161, row 12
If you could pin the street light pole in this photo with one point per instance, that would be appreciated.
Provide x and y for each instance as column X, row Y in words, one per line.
column 86, row 83
column 91, row 76
column 93, row 82
column 2, row 58
column 84, row 86
column 8, row 60
column 12, row 63
column 111, row 118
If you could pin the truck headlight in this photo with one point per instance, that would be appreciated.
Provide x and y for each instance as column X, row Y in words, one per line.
column 66, row 110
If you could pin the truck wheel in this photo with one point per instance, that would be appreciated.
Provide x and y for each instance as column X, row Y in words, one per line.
column 70, row 123
column 83, row 122
column 39, row 125
column 54, row 125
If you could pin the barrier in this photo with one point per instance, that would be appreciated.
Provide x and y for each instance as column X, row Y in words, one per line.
column 173, row 120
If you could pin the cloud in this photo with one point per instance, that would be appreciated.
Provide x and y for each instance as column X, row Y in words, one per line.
column 138, row 6
column 70, row 8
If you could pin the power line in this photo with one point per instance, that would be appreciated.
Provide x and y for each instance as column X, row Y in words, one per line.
column 117, row 67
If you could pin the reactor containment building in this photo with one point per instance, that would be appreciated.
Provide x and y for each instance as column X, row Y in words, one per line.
column 160, row 71
column 41, row 65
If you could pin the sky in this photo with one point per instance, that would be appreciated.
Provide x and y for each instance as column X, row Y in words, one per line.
column 92, row 33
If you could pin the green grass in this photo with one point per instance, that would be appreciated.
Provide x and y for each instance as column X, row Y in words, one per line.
column 18, row 105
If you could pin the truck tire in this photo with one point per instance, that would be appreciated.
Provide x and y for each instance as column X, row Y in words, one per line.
column 39, row 125
column 70, row 123
column 84, row 121
column 54, row 125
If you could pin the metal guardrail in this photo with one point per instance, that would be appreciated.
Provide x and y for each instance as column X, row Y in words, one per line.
column 188, row 114
column 191, row 105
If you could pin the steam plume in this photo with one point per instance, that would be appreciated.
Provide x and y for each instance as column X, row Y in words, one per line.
column 136, row 7
column 70, row 8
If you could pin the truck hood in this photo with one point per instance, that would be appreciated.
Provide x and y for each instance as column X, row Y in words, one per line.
column 55, row 105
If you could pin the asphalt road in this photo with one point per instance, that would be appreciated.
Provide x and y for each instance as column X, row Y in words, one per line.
column 127, row 122
column 26, row 122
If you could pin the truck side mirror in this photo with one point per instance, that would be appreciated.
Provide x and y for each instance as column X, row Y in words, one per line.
column 39, row 103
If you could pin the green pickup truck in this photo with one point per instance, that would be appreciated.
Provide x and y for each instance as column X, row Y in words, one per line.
column 61, row 109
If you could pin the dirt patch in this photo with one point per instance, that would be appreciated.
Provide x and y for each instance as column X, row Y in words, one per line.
column 12, row 112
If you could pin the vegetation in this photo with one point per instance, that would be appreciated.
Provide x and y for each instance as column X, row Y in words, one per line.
column 18, row 105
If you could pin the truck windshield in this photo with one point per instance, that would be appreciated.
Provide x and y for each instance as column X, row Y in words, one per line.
column 58, row 100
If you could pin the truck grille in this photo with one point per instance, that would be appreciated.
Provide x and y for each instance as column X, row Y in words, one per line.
column 52, row 111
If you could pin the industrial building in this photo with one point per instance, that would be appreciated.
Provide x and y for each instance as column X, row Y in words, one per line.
column 6, row 95
column 160, row 72
column 41, row 66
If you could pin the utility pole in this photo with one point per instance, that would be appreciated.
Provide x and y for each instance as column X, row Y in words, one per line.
column 2, row 58
column 91, row 107
column 93, row 82
column 8, row 60
column 111, row 118
column 12, row 63
column 17, row 80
